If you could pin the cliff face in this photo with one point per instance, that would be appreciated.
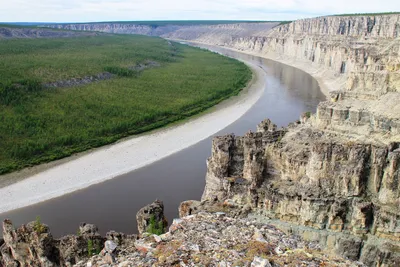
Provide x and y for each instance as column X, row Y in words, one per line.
column 344, row 193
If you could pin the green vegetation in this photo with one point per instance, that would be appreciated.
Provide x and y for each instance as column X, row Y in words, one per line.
column 154, row 227
column 367, row 14
column 285, row 22
column 38, row 226
column 94, row 248
column 90, row 247
column 40, row 124
column 307, row 114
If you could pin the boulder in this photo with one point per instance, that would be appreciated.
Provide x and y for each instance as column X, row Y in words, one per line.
column 151, row 219
column 28, row 245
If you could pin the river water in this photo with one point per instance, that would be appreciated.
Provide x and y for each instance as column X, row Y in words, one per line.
column 113, row 205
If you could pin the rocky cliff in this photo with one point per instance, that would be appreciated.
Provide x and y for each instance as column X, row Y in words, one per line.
column 313, row 183
column 332, row 177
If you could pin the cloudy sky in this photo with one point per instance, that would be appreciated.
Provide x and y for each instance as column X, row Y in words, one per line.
column 118, row 10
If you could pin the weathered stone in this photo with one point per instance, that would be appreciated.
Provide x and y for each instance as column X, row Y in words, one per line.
column 260, row 262
column 208, row 239
column 30, row 245
column 188, row 207
column 152, row 213
column 312, row 178
column 88, row 229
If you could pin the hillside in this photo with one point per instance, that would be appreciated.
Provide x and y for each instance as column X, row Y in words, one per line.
column 15, row 31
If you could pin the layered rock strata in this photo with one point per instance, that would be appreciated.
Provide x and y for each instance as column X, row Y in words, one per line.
column 342, row 192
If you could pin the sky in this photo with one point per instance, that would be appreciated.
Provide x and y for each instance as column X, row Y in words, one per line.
column 134, row 10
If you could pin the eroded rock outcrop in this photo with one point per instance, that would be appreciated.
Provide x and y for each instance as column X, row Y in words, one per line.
column 151, row 218
column 33, row 245
column 344, row 193
column 216, row 239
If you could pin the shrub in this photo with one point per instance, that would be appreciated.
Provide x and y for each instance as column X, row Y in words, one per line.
column 39, row 226
column 123, row 72
column 154, row 227
column 90, row 247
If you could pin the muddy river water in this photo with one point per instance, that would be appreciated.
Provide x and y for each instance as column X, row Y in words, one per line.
column 113, row 205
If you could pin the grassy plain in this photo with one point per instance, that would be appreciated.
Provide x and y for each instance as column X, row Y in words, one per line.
column 39, row 124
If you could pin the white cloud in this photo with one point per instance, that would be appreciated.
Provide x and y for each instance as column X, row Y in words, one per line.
column 106, row 10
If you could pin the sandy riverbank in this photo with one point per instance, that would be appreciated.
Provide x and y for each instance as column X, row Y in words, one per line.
column 105, row 163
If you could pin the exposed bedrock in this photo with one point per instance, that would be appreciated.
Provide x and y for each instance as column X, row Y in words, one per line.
column 33, row 245
column 355, row 58
column 151, row 217
column 336, row 190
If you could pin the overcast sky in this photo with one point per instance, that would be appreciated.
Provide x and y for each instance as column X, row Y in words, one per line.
column 118, row 10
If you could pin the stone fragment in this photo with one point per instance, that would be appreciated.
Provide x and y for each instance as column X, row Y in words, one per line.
column 152, row 213
column 260, row 262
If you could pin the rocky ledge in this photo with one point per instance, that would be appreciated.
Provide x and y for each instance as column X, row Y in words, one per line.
column 203, row 239
column 341, row 192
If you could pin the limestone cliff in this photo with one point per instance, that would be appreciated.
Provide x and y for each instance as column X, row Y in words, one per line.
column 343, row 194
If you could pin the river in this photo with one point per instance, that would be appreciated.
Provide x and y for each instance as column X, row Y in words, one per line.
column 112, row 205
